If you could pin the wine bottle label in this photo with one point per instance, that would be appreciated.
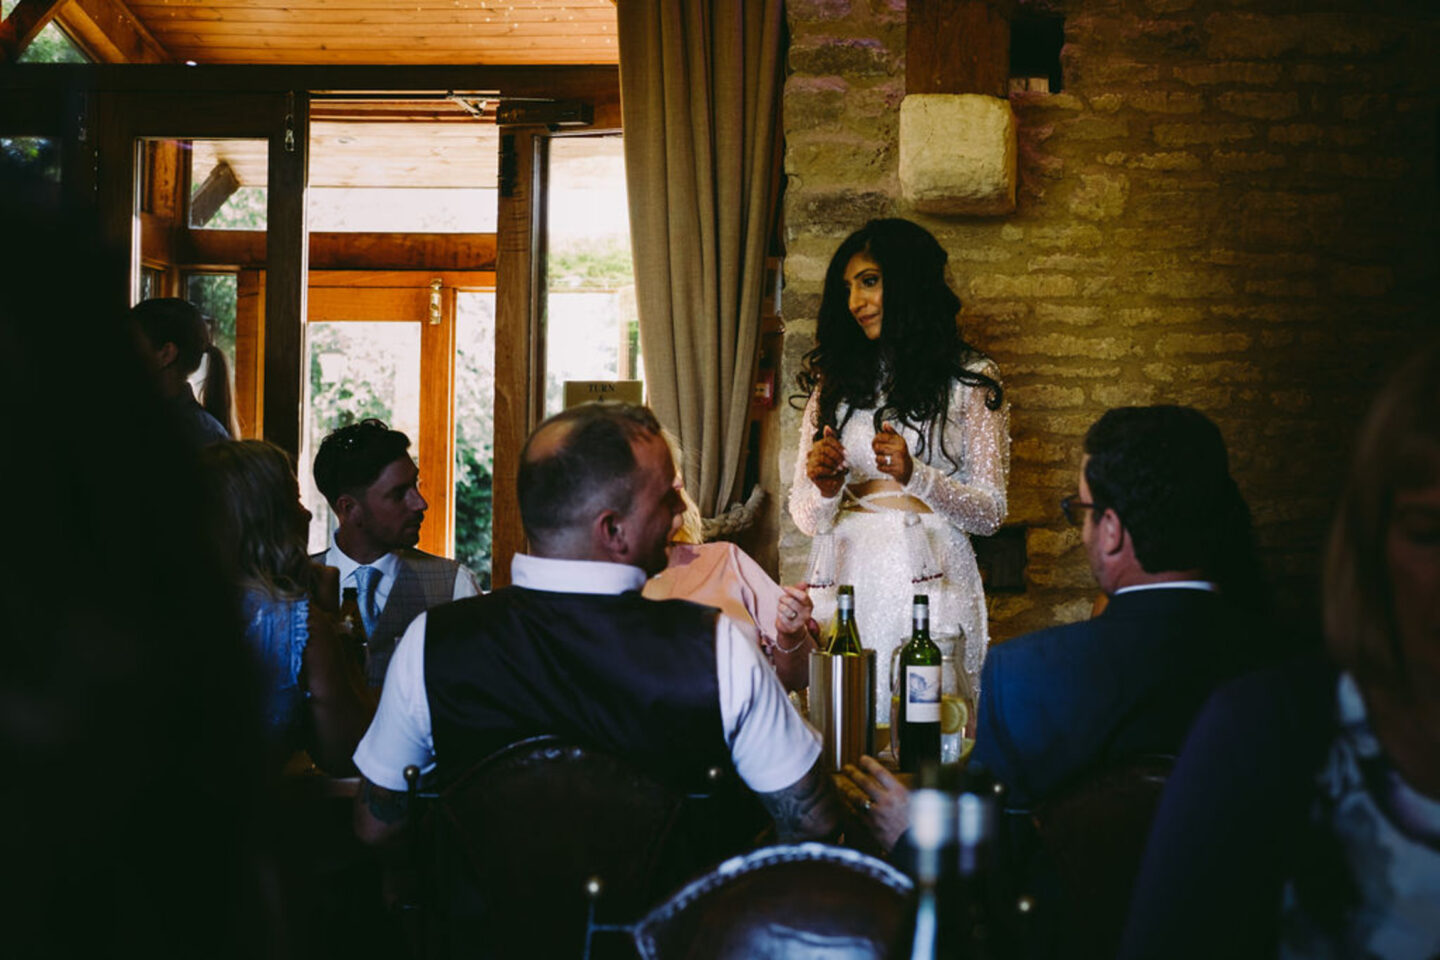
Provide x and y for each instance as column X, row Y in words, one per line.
column 922, row 694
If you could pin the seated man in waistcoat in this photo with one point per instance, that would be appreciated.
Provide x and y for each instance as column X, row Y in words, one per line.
column 366, row 472
column 572, row 648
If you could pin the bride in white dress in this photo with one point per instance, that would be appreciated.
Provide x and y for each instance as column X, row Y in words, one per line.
column 904, row 446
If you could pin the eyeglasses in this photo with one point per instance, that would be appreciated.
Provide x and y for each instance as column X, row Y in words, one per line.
column 1070, row 507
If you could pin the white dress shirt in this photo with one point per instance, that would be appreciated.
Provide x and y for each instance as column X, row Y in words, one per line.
column 771, row 745
column 465, row 583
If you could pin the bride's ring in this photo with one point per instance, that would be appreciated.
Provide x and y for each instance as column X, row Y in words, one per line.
column 885, row 459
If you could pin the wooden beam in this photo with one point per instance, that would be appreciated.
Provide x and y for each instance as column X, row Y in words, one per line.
column 599, row 85
column 219, row 185
column 24, row 24
column 346, row 251
column 111, row 33
column 286, row 280
column 958, row 46
column 249, row 348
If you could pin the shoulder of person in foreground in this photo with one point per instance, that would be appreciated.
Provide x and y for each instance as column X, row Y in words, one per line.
column 1223, row 838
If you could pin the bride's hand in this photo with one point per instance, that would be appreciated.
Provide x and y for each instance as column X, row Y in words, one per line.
column 825, row 464
column 892, row 454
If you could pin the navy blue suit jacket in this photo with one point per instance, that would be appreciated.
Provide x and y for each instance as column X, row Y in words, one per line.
column 1061, row 702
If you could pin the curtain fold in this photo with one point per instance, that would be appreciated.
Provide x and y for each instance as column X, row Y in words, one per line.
column 700, row 84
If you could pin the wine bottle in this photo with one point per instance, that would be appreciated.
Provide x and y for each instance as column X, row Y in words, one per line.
column 920, row 662
column 352, row 626
column 845, row 637
column 934, row 933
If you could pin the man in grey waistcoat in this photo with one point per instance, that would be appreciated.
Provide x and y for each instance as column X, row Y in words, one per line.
column 366, row 472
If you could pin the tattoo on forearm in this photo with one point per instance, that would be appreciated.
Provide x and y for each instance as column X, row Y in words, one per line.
column 807, row 810
column 386, row 806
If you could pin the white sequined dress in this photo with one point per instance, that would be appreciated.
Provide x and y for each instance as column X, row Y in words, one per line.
column 871, row 548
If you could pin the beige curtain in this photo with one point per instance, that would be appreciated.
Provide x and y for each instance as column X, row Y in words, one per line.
column 700, row 87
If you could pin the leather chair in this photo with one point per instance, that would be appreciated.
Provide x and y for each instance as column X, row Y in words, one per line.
column 1089, row 840
column 808, row 900
column 542, row 840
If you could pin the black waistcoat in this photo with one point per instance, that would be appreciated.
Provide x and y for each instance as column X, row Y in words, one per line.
column 626, row 675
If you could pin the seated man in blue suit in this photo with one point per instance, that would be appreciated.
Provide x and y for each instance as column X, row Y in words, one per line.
column 1168, row 539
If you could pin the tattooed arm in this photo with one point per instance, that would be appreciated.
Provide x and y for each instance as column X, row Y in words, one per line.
column 809, row 809
column 380, row 814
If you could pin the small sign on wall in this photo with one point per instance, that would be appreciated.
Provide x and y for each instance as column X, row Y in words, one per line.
column 617, row 391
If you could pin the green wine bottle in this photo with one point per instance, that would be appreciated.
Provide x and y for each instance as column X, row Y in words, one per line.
column 920, row 661
column 845, row 634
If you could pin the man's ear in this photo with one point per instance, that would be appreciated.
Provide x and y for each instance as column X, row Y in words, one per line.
column 345, row 505
column 608, row 533
column 1111, row 532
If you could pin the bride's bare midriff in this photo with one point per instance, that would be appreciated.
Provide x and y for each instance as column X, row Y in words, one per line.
column 888, row 494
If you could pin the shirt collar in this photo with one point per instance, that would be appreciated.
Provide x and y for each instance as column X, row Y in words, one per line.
column 1206, row 585
column 574, row 576
column 342, row 561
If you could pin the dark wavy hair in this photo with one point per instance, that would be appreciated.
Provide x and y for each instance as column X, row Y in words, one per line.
column 1165, row 472
column 353, row 457
column 919, row 352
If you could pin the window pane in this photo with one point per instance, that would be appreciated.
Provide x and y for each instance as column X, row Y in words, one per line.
column 357, row 369
column 591, row 325
column 39, row 155
column 423, row 177
column 50, row 46
column 214, row 294
column 227, row 184
column 474, row 429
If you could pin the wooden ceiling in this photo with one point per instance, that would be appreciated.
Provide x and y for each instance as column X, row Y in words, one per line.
column 498, row 32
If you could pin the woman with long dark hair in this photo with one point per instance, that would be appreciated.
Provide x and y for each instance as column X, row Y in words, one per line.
column 905, row 443
column 178, row 337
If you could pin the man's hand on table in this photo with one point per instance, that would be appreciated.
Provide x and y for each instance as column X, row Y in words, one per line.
column 877, row 798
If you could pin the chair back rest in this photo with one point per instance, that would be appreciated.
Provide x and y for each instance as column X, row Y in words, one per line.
column 531, row 827
column 1092, row 836
column 807, row 899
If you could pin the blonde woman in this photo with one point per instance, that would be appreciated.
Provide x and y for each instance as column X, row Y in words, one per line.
column 722, row 575
column 313, row 690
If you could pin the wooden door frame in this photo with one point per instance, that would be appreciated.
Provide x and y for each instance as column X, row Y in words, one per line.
column 281, row 119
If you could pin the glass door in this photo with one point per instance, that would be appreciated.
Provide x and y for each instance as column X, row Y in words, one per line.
column 182, row 175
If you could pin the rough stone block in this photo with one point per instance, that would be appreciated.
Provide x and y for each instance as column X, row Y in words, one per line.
column 1099, row 196
column 1172, row 161
column 1262, row 105
column 1189, row 134
column 1068, row 315
column 958, row 154
column 1251, row 74
column 994, row 286
column 1080, row 236
column 1175, row 344
column 841, row 56
column 1040, row 542
column 813, row 101
column 1166, row 101
column 1224, row 161
column 1123, row 394
column 1184, row 284
column 1296, row 133
column 1281, row 287
column 810, row 10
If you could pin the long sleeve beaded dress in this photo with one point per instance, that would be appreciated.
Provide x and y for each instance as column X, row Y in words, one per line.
column 871, row 545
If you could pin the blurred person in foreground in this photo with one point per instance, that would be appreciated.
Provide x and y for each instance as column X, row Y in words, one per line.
column 313, row 685
column 1303, row 817
column 723, row 576
column 366, row 473
column 129, row 706
column 571, row 648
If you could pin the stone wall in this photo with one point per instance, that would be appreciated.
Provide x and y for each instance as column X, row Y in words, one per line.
column 1231, row 204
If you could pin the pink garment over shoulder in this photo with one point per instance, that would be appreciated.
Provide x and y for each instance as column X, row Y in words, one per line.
column 720, row 575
